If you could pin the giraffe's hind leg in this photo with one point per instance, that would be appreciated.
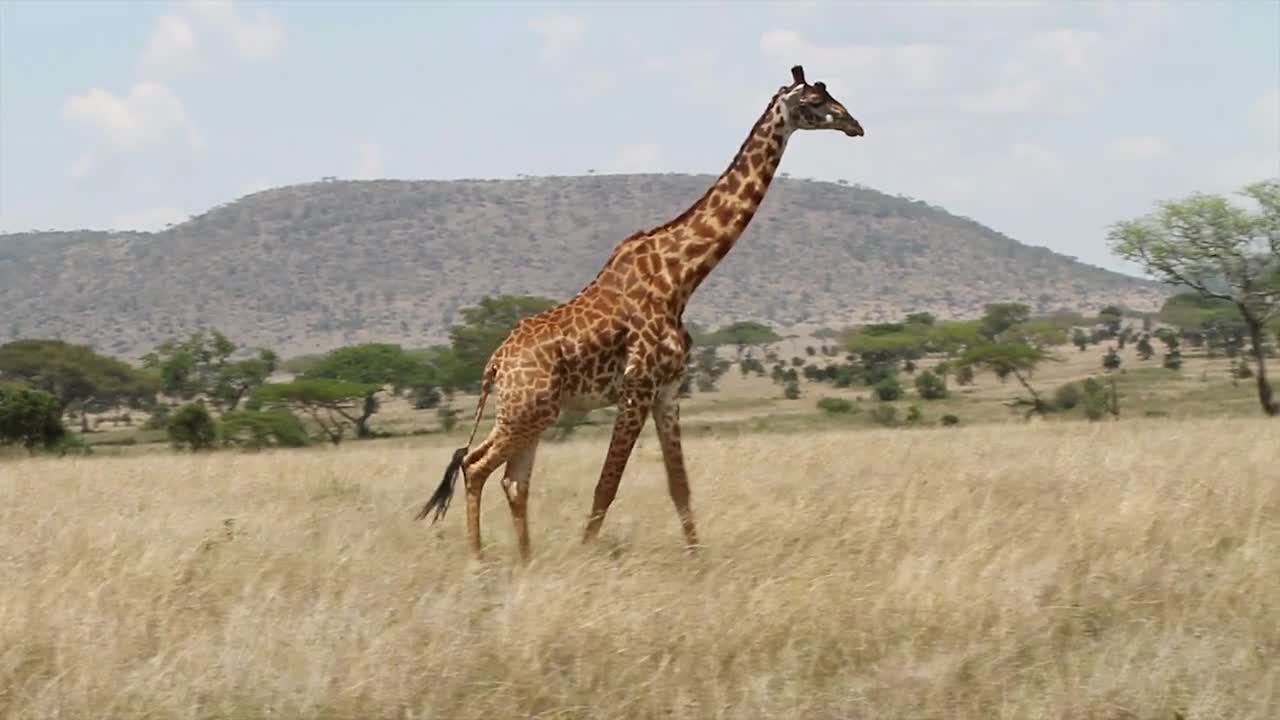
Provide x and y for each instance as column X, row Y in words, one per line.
column 516, row 484
column 529, row 404
column 479, row 465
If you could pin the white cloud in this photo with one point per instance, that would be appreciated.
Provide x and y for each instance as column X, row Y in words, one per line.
column 1014, row 96
column 639, row 158
column 895, row 74
column 788, row 46
column 1072, row 49
column 596, row 82
column 172, row 44
column 919, row 61
column 1036, row 157
column 259, row 36
column 559, row 34
column 1035, row 82
column 1257, row 154
column 84, row 166
column 149, row 220
column 149, row 113
column 368, row 161
column 1138, row 147
column 1264, row 115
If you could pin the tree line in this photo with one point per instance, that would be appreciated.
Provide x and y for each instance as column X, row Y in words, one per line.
column 1226, row 258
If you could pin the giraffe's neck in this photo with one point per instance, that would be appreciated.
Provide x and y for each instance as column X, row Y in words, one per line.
column 709, row 228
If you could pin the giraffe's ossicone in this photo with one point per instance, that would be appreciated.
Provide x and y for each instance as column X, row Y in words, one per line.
column 621, row 341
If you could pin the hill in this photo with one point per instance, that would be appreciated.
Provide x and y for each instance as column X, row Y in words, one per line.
column 309, row 267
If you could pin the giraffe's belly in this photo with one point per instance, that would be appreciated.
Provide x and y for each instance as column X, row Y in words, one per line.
column 586, row 402
column 601, row 387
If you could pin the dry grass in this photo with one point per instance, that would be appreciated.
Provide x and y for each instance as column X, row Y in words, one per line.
column 1044, row 571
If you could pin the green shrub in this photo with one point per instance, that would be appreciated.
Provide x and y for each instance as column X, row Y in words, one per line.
column 30, row 417
column 1111, row 360
column 71, row 444
column 1095, row 399
column 886, row 415
column 255, row 429
column 192, row 426
column 915, row 415
column 426, row 397
column 448, row 417
column 158, row 419
column 835, row 406
column 888, row 389
column 791, row 390
column 1067, row 396
column 931, row 386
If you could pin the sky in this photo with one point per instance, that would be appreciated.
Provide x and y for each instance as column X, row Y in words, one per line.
column 1046, row 121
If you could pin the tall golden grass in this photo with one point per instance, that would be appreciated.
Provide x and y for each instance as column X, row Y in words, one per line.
column 1125, row 570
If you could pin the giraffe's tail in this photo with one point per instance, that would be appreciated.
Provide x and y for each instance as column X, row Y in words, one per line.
column 444, row 492
column 439, row 500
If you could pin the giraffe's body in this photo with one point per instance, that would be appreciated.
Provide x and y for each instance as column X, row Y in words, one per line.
column 621, row 341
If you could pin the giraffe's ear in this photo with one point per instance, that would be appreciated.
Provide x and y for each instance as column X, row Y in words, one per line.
column 797, row 74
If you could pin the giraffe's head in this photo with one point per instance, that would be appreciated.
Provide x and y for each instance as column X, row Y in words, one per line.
column 811, row 107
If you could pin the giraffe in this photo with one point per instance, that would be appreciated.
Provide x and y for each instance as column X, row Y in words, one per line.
column 620, row 340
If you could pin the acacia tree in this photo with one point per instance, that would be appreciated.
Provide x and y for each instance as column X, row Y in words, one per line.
column 201, row 364
column 74, row 374
column 1221, row 251
column 1010, row 358
column 375, row 364
column 328, row 402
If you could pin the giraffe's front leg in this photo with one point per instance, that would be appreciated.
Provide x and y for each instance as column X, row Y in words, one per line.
column 666, row 420
column 635, row 407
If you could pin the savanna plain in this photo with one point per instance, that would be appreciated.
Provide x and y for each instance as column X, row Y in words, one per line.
column 1006, row 570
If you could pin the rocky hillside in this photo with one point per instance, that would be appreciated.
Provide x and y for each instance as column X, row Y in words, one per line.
column 309, row 267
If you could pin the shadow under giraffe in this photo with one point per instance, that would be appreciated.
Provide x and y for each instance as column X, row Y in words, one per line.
column 621, row 340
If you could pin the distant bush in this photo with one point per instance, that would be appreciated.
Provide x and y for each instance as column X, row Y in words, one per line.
column 192, row 426
column 888, row 389
column 158, row 419
column 835, row 406
column 1067, row 396
column 791, row 390
column 915, row 415
column 71, row 444
column 930, row 386
column 448, row 417
column 255, row 429
column 426, row 397
column 1095, row 399
column 886, row 415
column 1111, row 360
column 30, row 418
column 949, row 420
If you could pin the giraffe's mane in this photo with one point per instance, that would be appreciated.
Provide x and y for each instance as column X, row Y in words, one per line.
column 689, row 211
column 682, row 217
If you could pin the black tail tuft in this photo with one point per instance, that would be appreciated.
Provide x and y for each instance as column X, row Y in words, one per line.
column 444, row 493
